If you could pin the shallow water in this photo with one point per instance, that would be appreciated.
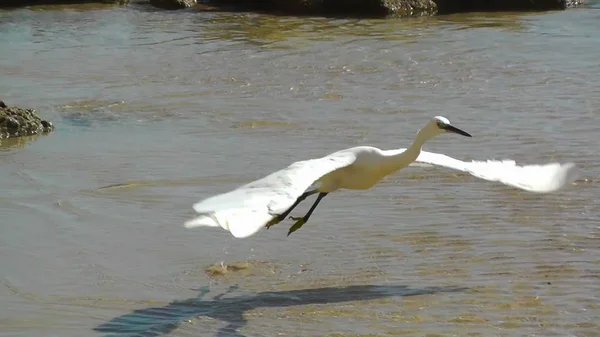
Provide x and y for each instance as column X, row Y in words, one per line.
column 155, row 110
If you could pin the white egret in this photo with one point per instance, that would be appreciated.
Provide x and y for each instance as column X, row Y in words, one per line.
column 267, row 201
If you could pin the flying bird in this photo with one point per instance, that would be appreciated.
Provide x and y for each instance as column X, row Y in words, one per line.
column 269, row 200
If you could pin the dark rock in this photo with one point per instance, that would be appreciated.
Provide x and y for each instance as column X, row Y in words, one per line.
column 12, row 124
column 459, row 6
column 385, row 8
column 17, row 122
column 22, row 3
column 362, row 8
column 173, row 4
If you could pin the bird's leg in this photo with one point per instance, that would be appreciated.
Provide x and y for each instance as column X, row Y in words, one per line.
column 282, row 216
column 301, row 221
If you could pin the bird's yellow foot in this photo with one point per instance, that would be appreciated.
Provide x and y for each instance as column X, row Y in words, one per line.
column 299, row 223
column 274, row 221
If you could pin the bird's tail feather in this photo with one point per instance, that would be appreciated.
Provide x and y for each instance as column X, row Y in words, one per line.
column 240, row 222
column 201, row 221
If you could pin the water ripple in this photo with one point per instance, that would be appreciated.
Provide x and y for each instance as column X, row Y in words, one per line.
column 155, row 110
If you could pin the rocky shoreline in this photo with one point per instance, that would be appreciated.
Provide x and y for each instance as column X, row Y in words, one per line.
column 24, row 3
column 18, row 122
column 356, row 8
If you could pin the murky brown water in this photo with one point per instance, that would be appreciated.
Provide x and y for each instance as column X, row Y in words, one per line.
column 156, row 110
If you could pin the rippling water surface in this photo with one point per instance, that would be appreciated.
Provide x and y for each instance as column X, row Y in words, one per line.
column 155, row 110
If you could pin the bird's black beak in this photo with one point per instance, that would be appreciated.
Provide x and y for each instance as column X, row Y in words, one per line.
column 454, row 129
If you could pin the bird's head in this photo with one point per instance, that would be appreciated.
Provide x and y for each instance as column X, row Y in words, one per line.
column 442, row 125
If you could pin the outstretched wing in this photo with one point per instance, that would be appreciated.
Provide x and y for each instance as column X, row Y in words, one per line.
column 533, row 178
column 247, row 209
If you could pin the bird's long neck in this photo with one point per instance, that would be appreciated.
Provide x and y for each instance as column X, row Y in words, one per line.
column 397, row 159
column 415, row 148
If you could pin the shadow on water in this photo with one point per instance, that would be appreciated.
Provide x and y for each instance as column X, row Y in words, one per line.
column 266, row 29
column 17, row 142
column 157, row 321
column 503, row 21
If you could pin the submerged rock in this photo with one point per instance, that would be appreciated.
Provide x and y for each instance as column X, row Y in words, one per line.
column 385, row 8
column 173, row 4
column 17, row 122
column 21, row 3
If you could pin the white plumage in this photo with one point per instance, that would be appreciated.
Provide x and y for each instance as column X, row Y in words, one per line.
column 532, row 178
column 267, row 201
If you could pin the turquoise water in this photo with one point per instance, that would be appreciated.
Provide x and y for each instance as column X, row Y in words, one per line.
column 155, row 110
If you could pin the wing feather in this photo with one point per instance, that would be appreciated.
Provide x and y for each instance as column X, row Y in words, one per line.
column 533, row 178
column 247, row 209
